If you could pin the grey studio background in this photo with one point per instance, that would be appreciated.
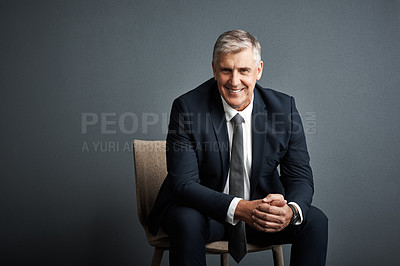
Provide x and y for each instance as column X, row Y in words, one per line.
column 81, row 79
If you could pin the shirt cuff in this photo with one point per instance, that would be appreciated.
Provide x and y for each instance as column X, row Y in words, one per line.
column 300, row 212
column 230, row 215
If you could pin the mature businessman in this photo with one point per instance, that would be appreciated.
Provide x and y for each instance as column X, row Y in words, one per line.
column 226, row 140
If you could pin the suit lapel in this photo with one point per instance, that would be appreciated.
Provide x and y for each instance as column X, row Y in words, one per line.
column 259, row 133
column 217, row 115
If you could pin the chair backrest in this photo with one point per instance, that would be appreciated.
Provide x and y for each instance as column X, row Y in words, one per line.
column 150, row 171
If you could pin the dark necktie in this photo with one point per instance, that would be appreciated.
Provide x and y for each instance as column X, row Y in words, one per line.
column 237, row 236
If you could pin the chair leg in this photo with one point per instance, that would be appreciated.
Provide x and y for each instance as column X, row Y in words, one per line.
column 224, row 258
column 277, row 254
column 157, row 256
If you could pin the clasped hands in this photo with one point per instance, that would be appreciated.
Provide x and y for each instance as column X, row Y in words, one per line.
column 270, row 214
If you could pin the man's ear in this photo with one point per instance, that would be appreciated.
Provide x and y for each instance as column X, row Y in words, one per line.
column 260, row 70
column 214, row 70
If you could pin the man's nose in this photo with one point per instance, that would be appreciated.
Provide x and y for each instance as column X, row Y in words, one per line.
column 235, row 79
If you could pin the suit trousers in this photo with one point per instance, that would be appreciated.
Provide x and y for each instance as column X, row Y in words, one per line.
column 190, row 230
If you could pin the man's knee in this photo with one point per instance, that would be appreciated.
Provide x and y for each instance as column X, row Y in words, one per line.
column 317, row 220
column 319, row 215
column 190, row 219
column 186, row 221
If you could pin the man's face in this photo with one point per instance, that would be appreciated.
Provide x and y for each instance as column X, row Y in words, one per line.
column 236, row 75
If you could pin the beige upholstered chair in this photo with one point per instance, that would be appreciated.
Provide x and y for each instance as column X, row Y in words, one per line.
column 150, row 171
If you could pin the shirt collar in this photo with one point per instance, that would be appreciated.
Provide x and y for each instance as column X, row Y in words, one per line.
column 230, row 112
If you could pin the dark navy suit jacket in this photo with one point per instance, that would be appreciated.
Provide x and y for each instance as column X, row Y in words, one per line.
column 198, row 153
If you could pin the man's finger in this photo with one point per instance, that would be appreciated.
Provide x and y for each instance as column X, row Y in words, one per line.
column 267, row 227
column 277, row 210
column 261, row 217
column 264, row 207
column 273, row 197
column 278, row 203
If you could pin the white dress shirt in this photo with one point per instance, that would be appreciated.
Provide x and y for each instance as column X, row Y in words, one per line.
column 247, row 147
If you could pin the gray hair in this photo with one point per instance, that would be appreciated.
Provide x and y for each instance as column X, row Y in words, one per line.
column 235, row 41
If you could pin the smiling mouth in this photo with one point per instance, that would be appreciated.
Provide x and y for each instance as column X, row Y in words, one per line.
column 235, row 91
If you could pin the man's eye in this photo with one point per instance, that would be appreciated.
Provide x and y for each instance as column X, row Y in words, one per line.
column 225, row 70
column 244, row 70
